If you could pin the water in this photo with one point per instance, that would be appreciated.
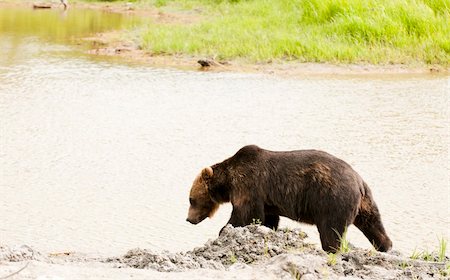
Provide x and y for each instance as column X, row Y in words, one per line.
column 98, row 157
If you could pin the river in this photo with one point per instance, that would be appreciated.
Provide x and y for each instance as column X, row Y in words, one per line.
column 98, row 156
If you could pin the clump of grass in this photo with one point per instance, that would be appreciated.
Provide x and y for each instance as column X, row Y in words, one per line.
column 375, row 31
column 302, row 235
column 426, row 255
column 233, row 258
column 256, row 222
column 415, row 255
column 295, row 273
column 446, row 271
column 332, row 259
column 344, row 246
column 430, row 257
column 442, row 249
column 403, row 265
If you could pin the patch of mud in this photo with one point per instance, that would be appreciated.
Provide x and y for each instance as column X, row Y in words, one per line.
column 246, row 245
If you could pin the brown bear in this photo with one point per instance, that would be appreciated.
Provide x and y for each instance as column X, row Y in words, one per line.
column 309, row 186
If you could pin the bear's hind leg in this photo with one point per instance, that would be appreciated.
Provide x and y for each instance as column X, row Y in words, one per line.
column 271, row 221
column 369, row 222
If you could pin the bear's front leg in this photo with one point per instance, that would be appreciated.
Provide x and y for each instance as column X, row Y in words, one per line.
column 246, row 214
column 271, row 221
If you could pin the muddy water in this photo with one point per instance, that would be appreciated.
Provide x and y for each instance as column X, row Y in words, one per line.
column 98, row 157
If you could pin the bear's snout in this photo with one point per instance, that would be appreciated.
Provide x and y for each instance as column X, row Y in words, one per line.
column 196, row 215
column 190, row 221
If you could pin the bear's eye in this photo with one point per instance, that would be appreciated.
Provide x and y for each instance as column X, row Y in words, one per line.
column 192, row 201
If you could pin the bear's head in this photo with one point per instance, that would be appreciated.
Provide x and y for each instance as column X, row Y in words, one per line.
column 201, row 203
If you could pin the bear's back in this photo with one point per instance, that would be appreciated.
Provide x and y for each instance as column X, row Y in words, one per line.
column 296, row 157
column 293, row 166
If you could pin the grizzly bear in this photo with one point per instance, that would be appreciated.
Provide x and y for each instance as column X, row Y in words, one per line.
column 308, row 186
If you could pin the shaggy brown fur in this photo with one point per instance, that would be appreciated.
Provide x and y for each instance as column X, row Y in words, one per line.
column 308, row 186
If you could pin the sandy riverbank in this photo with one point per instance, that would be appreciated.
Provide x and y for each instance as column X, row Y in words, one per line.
column 252, row 252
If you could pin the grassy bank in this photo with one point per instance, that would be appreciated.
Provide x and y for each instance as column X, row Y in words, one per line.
column 411, row 32
column 339, row 31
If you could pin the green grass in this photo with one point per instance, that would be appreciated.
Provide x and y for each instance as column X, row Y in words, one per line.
column 442, row 249
column 295, row 273
column 446, row 271
column 438, row 255
column 434, row 256
column 233, row 258
column 344, row 246
column 340, row 31
column 332, row 259
column 415, row 255
column 256, row 222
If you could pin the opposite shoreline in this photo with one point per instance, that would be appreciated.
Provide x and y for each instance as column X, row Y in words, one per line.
column 114, row 44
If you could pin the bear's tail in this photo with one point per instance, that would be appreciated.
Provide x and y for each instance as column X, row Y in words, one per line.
column 369, row 222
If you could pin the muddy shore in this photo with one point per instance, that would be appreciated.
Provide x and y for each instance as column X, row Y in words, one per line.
column 252, row 252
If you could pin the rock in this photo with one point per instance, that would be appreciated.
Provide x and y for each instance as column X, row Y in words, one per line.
column 308, row 277
column 238, row 266
column 205, row 62
column 210, row 62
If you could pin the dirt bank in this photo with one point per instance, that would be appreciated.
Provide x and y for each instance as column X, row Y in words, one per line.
column 252, row 252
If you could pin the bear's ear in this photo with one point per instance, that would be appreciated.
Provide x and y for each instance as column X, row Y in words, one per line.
column 207, row 173
column 218, row 188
